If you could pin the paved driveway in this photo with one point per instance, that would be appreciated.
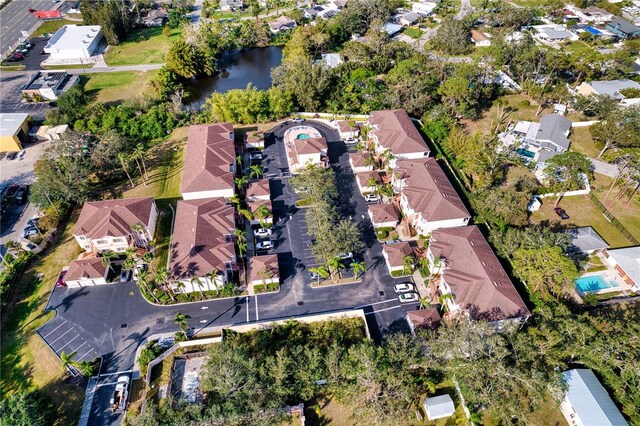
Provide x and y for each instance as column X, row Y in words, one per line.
column 115, row 319
column 11, row 82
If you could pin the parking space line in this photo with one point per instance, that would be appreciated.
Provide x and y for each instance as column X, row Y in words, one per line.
column 76, row 349
column 77, row 335
column 85, row 354
column 382, row 310
column 376, row 303
column 48, row 334
column 60, row 337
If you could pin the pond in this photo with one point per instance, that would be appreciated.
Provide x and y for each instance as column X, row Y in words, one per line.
column 240, row 68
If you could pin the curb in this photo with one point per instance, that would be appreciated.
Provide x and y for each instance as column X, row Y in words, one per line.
column 337, row 284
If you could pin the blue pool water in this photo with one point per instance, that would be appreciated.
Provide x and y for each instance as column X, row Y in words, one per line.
column 592, row 30
column 594, row 283
column 526, row 153
column 303, row 136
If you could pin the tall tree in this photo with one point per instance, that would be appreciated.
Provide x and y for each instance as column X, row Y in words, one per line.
column 111, row 15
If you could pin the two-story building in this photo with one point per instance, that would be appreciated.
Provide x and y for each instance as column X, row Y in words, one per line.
column 304, row 145
column 427, row 198
column 623, row 29
column 360, row 162
column 468, row 274
column 116, row 225
column 540, row 141
column 264, row 269
column 202, row 253
column 393, row 131
column 209, row 162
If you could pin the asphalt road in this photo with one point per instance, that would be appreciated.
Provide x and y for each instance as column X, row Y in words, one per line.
column 15, row 18
column 113, row 320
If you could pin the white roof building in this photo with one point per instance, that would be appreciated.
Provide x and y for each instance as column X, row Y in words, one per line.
column 73, row 44
column 439, row 407
column 587, row 403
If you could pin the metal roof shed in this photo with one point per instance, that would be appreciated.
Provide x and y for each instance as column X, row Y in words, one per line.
column 439, row 407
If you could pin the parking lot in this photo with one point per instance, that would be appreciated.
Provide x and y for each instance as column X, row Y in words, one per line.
column 19, row 172
column 11, row 83
column 63, row 336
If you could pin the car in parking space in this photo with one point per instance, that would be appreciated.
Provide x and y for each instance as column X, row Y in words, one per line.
column 60, row 281
column 11, row 155
column 33, row 221
column 22, row 194
column 255, row 156
column 298, row 120
column 403, row 288
column 350, row 141
column 562, row 213
column 262, row 233
column 22, row 49
column 138, row 268
column 408, row 297
column 29, row 231
column 370, row 198
column 29, row 246
column 264, row 245
column 22, row 154
column 11, row 191
column 125, row 275
column 309, row 243
column 345, row 256
column 314, row 276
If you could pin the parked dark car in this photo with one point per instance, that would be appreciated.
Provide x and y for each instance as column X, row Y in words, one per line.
column 11, row 155
column 560, row 212
column 12, row 190
column 22, row 194
column 60, row 282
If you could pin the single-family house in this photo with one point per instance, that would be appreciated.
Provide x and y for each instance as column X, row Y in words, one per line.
column 623, row 28
column 73, row 44
column 423, row 319
column 408, row 19
column 383, row 215
column 611, row 88
column 368, row 181
column 393, row 131
column 346, row 130
column 304, row 145
column 427, row 198
column 209, row 162
column 423, row 8
column 391, row 29
column 281, row 24
column 116, row 225
column 543, row 140
column 360, row 162
column 86, row 272
column 48, row 133
column 264, row 269
column 439, row 407
column 254, row 140
column 586, row 401
column 480, row 39
column 396, row 256
column 258, row 190
column 48, row 85
column 339, row 4
column 332, row 60
column 465, row 267
column 155, row 18
column 585, row 240
column 227, row 5
column 202, row 252
column 554, row 33
column 626, row 261
column 591, row 14
column 14, row 131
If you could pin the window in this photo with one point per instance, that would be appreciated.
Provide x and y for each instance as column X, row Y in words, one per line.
column 118, row 240
column 81, row 237
column 101, row 242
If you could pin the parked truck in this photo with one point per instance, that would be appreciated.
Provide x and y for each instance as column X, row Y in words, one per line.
column 119, row 400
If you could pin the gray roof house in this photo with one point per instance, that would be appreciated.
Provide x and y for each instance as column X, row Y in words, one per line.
column 623, row 28
column 550, row 136
column 609, row 88
column 439, row 407
column 586, row 240
column 587, row 403
column 627, row 260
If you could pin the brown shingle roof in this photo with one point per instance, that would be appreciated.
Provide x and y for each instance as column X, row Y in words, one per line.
column 344, row 126
column 254, row 136
column 396, row 132
column 85, row 268
column 429, row 191
column 259, row 188
column 477, row 279
column 396, row 252
column 381, row 213
column 363, row 178
column 113, row 217
column 424, row 318
column 357, row 159
column 201, row 238
column 268, row 263
column 209, row 158
column 478, row 35
column 310, row 146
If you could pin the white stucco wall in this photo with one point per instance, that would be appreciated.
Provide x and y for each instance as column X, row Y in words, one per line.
column 220, row 193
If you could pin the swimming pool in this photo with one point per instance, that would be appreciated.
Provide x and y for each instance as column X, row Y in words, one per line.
column 526, row 153
column 594, row 283
column 592, row 30
column 303, row 136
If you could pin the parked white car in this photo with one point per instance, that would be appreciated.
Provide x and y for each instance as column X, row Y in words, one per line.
column 262, row 233
column 350, row 141
column 403, row 288
column 264, row 245
column 370, row 198
column 345, row 256
column 408, row 297
column 298, row 120
column 256, row 156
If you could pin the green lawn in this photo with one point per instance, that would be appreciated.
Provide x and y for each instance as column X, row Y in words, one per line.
column 578, row 48
column 142, row 46
column 117, row 86
column 50, row 27
column 582, row 142
column 412, row 32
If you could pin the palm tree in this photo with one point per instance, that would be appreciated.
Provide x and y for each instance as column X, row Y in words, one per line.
column 141, row 230
column 241, row 236
column 241, row 182
column 443, row 300
column 321, row 271
column 423, row 263
column 437, row 264
column 139, row 153
column 335, row 265
column 148, row 257
column 123, row 163
column 199, row 283
column 212, row 278
column 408, row 264
column 180, row 285
column 182, row 320
column 234, row 199
column 135, row 158
column 359, row 268
column 67, row 359
column 143, row 280
column 107, row 258
column 425, row 302
column 246, row 213
column 360, row 146
column 369, row 160
column 256, row 170
column 162, row 278
column 86, row 368
column 239, row 162
column 262, row 213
